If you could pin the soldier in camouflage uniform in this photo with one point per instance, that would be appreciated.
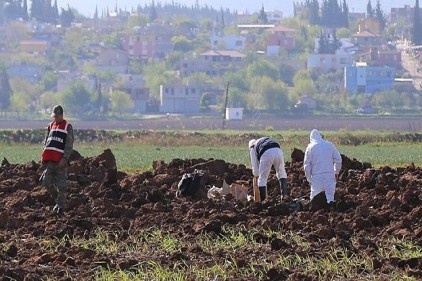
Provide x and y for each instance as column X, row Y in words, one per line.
column 58, row 147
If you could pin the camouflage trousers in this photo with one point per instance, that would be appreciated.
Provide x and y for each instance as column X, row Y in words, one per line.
column 55, row 180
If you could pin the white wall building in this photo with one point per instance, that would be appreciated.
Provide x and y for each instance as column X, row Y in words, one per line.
column 234, row 113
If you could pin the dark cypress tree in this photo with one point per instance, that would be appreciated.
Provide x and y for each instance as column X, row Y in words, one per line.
column 324, row 13
column 335, row 44
column 323, row 44
column 262, row 17
column 380, row 15
column 153, row 13
column 36, row 9
column 25, row 10
column 331, row 14
column 313, row 8
column 55, row 11
column 12, row 9
column 417, row 26
column 96, row 13
column 66, row 17
column 369, row 10
column 345, row 12
column 5, row 89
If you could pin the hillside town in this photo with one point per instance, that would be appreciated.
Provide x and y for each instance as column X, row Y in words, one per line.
column 175, row 59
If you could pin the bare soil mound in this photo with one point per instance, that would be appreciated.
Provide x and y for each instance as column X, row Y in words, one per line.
column 371, row 204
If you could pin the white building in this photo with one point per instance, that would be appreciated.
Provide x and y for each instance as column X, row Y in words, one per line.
column 327, row 62
column 179, row 98
column 234, row 113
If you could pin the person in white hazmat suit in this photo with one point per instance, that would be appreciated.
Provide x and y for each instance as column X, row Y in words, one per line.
column 322, row 164
column 265, row 153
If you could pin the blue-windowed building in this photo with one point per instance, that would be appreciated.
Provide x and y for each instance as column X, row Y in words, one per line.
column 361, row 78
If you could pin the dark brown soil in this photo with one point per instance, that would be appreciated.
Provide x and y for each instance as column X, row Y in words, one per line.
column 372, row 204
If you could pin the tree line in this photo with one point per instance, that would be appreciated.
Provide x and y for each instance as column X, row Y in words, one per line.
column 41, row 10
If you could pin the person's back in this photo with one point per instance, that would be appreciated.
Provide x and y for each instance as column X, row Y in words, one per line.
column 321, row 164
column 322, row 154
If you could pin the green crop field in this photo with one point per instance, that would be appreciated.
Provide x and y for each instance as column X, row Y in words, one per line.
column 136, row 155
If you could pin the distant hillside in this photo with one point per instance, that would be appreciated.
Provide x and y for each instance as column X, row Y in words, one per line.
column 88, row 7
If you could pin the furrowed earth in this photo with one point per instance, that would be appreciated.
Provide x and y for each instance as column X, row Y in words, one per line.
column 373, row 204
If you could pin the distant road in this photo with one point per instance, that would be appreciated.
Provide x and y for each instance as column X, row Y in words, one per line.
column 183, row 123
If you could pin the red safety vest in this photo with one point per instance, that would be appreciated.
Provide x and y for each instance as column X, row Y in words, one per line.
column 55, row 142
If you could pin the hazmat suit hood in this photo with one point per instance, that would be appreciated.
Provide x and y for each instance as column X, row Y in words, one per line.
column 315, row 136
column 252, row 143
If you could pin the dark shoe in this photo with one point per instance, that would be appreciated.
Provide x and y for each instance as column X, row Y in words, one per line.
column 283, row 188
column 57, row 209
column 331, row 207
column 263, row 192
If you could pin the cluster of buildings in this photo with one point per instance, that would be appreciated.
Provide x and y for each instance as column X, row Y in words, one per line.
column 368, row 61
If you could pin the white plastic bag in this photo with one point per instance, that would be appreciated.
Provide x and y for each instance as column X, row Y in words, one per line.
column 215, row 192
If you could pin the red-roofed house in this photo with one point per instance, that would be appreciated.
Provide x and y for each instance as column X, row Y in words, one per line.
column 280, row 37
column 366, row 39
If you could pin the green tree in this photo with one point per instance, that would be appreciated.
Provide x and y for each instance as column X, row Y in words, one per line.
column 137, row 20
column 267, row 94
column 135, row 67
column 48, row 100
column 156, row 74
column 343, row 33
column 236, row 98
column 120, row 102
column 75, row 98
column 20, row 102
column 49, row 81
column 181, row 43
column 303, row 85
column 262, row 68
column 5, row 89
column 388, row 99
column 24, row 86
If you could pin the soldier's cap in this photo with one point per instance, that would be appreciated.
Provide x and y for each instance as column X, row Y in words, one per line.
column 57, row 110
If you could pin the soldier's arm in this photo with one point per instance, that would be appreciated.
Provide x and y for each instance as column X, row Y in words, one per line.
column 68, row 147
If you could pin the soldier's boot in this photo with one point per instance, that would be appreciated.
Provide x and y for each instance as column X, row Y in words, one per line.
column 284, row 189
column 263, row 192
column 57, row 209
column 60, row 201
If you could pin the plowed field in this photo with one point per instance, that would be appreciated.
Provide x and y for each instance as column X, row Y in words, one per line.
column 374, row 207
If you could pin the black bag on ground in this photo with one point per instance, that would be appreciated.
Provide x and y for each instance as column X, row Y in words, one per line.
column 189, row 184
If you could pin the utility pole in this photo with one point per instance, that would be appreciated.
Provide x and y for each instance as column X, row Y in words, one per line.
column 225, row 105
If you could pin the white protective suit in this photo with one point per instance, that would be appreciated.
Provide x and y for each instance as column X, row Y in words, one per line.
column 321, row 164
column 261, row 168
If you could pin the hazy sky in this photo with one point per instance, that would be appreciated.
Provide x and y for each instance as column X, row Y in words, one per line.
column 87, row 7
